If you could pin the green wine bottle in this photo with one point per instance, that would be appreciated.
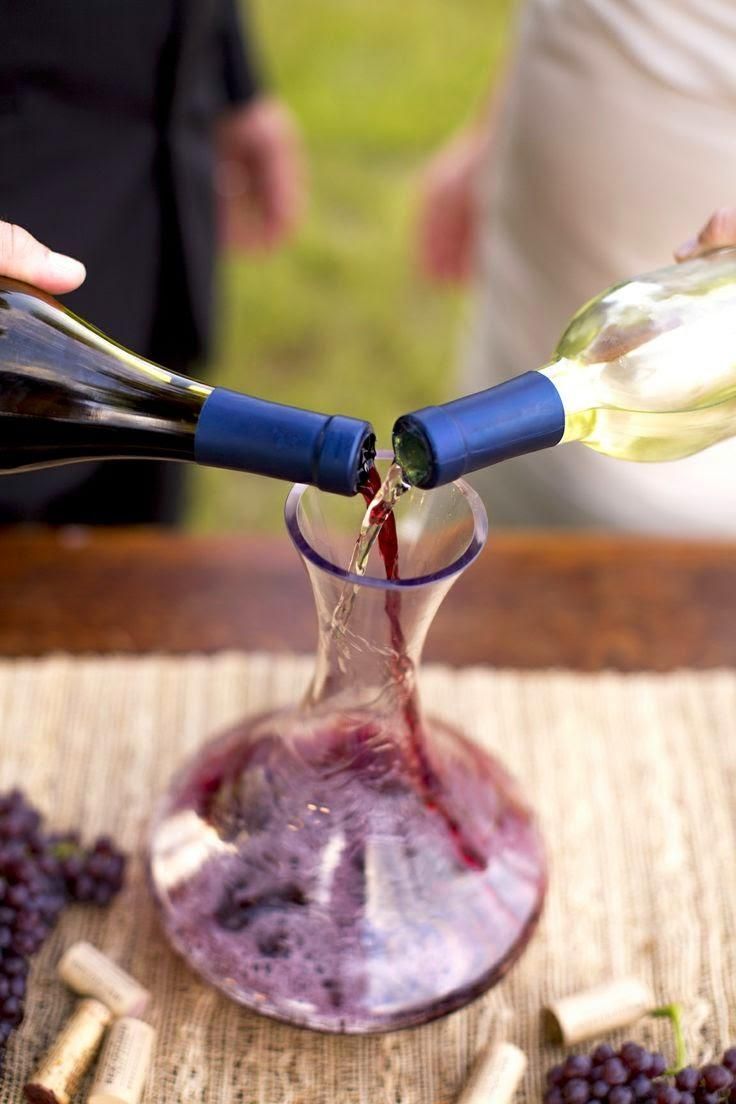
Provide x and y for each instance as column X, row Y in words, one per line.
column 646, row 371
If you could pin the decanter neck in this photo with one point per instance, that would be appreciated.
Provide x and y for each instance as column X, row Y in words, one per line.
column 364, row 658
column 370, row 639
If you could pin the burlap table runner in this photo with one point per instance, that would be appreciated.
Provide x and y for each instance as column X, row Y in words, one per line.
column 634, row 779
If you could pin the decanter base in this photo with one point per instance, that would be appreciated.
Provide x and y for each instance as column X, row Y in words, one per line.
column 322, row 873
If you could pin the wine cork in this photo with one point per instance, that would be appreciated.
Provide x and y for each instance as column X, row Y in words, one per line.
column 123, row 1067
column 58, row 1077
column 597, row 1011
column 91, row 973
column 495, row 1076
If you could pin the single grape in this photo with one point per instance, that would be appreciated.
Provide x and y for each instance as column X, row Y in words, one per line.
column 103, row 894
column 666, row 1094
column 553, row 1095
column 729, row 1059
column 716, row 1078
column 73, row 865
column 688, row 1079
column 100, row 865
column 602, row 1053
column 632, row 1055
column 615, row 1072
column 577, row 1065
column 599, row 1089
column 576, row 1091
column 641, row 1086
column 621, row 1094
column 14, row 966
column 11, row 1010
column 25, row 943
column 17, row 986
column 83, row 888
column 27, row 921
column 556, row 1075
column 19, row 895
column 658, row 1066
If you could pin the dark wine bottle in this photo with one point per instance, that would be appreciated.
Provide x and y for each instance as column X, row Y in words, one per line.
column 69, row 393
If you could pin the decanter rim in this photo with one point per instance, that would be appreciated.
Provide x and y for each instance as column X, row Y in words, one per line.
column 471, row 552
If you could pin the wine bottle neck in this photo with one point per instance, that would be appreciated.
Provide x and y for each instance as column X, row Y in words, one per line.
column 67, row 393
column 441, row 443
column 141, row 368
column 575, row 384
column 285, row 442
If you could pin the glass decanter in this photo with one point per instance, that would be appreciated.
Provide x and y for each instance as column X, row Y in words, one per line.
column 347, row 864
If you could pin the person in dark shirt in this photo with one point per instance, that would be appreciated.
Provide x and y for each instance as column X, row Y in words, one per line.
column 134, row 134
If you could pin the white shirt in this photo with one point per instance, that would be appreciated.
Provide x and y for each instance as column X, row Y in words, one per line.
column 618, row 140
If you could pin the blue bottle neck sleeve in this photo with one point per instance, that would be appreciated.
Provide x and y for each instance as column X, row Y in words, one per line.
column 248, row 434
column 521, row 415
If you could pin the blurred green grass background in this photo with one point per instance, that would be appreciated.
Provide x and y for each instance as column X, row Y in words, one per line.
column 340, row 320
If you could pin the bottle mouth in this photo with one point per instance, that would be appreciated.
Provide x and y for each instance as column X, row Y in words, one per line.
column 346, row 451
column 413, row 451
column 366, row 458
column 448, row 525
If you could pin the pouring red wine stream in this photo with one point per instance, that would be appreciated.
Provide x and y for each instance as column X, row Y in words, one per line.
column 381, row 513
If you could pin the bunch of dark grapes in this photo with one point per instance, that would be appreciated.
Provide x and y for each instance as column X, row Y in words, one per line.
column 633, row 1075
column 39, row 875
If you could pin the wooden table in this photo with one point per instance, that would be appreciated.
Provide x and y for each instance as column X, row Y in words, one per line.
column 533, row 599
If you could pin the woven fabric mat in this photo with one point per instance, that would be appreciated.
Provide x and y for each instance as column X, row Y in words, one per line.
column 634, row 780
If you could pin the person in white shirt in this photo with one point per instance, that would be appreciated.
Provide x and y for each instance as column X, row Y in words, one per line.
column 609, row 139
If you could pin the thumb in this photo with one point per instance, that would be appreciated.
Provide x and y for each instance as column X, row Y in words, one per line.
column 23, row 258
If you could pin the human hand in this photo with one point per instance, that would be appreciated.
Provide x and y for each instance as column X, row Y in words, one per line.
column 720, row 229
column 260, row 179
column 24, row 258
column 449, row 215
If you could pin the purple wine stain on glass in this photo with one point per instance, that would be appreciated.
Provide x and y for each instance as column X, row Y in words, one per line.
column 347, row 864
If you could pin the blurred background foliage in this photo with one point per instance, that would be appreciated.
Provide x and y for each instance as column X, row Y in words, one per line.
column 340, row 319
